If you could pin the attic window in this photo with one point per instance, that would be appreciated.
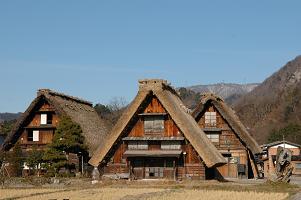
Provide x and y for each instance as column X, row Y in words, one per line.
column 46, row 118
column 153, row 124
column 33, row 135
column 210, row 119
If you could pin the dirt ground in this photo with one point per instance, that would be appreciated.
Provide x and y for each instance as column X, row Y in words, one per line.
column 151, row 190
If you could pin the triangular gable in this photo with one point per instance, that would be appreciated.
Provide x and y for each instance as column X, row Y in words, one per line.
column 231, row 118
column 16, row 132
column 80, row 111
column 175, row 108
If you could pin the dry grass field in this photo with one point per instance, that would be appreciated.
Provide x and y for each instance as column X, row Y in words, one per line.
column 152, row 191
column 138, row 193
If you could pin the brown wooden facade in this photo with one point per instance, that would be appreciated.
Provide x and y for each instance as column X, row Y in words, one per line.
column 164, row 152
column 43, row 131
column 227, row 142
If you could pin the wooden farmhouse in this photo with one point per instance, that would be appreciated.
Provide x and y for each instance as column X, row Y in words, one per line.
column 157, row 138
column 229, row 136
column 38, row 123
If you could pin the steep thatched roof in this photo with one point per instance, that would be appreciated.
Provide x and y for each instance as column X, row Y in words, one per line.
column 178, row 112
column 80, row 111
column 229, row 115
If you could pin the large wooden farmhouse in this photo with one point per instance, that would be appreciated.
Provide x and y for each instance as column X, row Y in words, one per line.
column 157, row 138
column 229, row 136
column 38, row 123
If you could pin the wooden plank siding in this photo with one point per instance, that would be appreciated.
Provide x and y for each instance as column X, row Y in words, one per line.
column 229, row 142
column 46, row 132
column 194, row 166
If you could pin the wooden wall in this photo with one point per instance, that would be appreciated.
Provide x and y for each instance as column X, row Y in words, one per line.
column 193, row 164
column 228, row 140
column 45, row 134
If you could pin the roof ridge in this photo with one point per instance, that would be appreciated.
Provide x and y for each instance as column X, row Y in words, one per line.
column 69, row 97
column 210, row 95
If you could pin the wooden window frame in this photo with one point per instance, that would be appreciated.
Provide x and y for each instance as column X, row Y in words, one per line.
column 154, row 124
column 210, row 119
column 138, row 145
column 212, row 138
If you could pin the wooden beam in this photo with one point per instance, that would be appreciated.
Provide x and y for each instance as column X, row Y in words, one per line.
column 254, row 167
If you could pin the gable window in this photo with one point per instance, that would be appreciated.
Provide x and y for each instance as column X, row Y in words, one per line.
column 33, row 135
column 46, row 118
column 153, row 124
column 134, row 145
column 210, row 118
column 213, row 137
column 43, row 119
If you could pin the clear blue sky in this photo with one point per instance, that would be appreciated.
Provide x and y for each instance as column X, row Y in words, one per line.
column 98, row 50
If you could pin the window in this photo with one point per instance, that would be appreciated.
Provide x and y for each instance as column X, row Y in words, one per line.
column 35, row 136
column 298, row 165
column 234, row 160
column 49, row 118
column 46, row 118
column 134, row 145
column 43, row 119
column 154, row 124
column 210, row 118
column 32, row 135
column 166, row 145
column 213, row 137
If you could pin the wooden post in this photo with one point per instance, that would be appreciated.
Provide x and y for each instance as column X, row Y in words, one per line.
column 254, row 167
column 174, row 170
column 130, row 170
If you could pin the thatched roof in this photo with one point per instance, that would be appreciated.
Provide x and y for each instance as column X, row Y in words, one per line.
column 80, row 111
column 177, row 111
column 229, row 115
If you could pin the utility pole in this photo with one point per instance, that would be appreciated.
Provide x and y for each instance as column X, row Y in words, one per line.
column 82, row 162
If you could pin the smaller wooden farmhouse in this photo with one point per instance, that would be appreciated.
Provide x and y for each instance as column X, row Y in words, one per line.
column 38, row 123
column 225, row 131
column 270, row 152
column 156, row 138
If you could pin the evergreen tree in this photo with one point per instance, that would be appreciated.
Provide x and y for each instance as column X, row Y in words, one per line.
column 16, row 160
column 67, row 139
column 290, row 133
column 35, row 159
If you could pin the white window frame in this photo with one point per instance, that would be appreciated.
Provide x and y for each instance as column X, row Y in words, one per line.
column 213, row 137
column 210, row 118
column 43, row 119
column 35, row 135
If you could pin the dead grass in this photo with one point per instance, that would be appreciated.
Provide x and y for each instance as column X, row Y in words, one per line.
column 162, row 190
column 138, row 193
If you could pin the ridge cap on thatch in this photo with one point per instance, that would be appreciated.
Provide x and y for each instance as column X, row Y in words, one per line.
column 230, row 116
column 172, row 103
column 69, row 97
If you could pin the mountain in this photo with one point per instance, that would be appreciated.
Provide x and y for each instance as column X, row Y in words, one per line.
column 8, row 116
column 273, row 105
column 229, row 91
